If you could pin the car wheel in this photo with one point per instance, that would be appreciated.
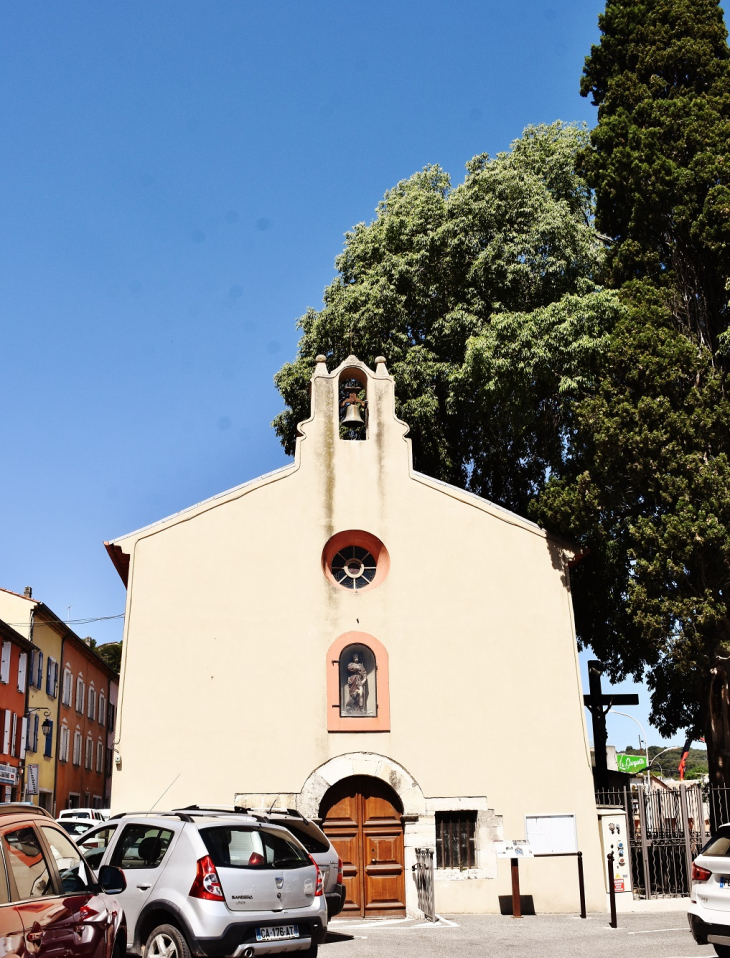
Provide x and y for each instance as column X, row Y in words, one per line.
column 311, row 952
column 723, row 951
column 166, row 941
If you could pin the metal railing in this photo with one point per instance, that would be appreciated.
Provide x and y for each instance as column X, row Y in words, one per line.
column 423, row 873
column 666, row 829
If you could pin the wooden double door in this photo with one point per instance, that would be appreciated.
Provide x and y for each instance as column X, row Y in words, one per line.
column 362, row 818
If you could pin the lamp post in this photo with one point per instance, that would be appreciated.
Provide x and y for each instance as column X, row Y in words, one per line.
column 646, row 743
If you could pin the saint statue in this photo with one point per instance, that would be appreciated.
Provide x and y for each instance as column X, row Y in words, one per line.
column 357, row 681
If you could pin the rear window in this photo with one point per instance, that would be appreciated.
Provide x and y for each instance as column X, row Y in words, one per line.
column 241, row 847
column 309, row 835
column 719, row 844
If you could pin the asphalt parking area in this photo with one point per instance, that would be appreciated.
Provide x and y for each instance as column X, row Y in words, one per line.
column 660, row 935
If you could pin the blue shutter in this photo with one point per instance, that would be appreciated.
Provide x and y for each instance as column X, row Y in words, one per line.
column 39, row 683
column 49, row 741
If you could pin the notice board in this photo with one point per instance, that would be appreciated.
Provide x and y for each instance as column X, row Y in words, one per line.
column 551, row 834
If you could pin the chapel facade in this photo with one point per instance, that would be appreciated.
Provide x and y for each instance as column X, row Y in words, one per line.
column 387, row 654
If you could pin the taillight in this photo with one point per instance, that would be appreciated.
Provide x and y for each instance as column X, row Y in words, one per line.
column 207, row 884
column 320, row 882
column 340, row 877
column 700, row 874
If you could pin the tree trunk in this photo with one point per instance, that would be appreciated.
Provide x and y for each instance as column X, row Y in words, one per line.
column 716, row 708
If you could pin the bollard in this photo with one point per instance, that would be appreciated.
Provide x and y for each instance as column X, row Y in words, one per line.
column 516, row 903
column 612, row 891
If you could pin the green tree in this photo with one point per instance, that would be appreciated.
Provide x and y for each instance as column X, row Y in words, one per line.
column 484, row 300
column 645, row 488
column 660, row 155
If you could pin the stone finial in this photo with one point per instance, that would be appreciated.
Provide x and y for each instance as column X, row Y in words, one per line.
column 321, row 368
column 379, row 359
column 381, row 370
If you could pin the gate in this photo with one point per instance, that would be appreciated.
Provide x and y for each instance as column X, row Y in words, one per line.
column 666, row 830
column 423, row 870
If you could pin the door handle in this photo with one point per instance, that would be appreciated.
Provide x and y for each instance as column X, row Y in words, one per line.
column 34, row 937
column 144, row 887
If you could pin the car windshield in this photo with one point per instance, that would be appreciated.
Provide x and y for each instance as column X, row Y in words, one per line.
column 233, row 846
column 75, row 828
column 719, row 844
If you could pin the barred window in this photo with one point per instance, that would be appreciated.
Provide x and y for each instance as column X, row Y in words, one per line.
column 455, row 839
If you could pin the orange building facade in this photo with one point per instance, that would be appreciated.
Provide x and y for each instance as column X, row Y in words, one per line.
column 82, row 765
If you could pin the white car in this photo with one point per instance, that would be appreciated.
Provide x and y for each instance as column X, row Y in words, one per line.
column 94, row 814
column 76, row 827
column 211, row 885
column 709, row 911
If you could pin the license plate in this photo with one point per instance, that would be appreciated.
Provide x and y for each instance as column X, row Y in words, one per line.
column 277, row 932
column 724, row 881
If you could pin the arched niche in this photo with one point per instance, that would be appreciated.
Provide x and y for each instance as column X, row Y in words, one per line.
column 348, row 686
column 352, row 393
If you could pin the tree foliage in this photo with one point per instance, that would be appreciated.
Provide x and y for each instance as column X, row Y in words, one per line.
column 660, row 154
column 483, row 298
column 646, row 486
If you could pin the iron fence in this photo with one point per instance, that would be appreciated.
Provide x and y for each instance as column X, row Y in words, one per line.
column 666, row 829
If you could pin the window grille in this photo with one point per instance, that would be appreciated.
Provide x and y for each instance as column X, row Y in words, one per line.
column 456, row 839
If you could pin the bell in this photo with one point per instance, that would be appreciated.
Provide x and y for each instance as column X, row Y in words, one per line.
column 353, row 417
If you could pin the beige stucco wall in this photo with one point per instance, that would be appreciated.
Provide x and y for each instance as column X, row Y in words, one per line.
column 229, row 618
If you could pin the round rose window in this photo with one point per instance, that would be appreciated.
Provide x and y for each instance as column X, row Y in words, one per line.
column 353, row 567
column 355, row 560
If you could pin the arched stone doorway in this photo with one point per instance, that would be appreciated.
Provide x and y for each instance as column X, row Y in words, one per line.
column 362, row 816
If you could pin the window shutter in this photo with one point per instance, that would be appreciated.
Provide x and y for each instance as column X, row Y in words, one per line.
column 14, row 734
column 5, row 663
column 49, row 676
column 23, row 735
column 22, row 670
column 33, row 657
column 39, row 680
column 55, row 680
column 6, row 733
column 49, row 740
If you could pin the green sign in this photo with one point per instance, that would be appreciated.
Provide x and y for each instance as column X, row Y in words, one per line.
column 631, row 763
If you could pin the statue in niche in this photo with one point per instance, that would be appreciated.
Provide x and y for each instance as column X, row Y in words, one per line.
column 357, row 680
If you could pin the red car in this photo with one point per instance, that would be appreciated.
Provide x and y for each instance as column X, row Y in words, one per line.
column 51, row 903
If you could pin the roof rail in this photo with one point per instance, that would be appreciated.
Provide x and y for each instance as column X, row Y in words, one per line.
column 12, row 808
column 216, row 810
column 181, row 815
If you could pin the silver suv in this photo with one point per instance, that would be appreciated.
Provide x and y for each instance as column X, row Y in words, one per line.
column 211, row 884
column 309, row 834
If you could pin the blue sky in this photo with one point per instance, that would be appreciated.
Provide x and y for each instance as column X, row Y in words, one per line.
column 176, row 179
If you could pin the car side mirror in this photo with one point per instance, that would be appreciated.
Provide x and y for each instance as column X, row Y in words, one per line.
column 112, row 879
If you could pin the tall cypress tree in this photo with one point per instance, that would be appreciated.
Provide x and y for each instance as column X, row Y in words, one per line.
column 646, row 487
column 660, row 156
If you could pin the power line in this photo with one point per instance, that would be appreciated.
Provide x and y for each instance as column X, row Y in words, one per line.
column 98, row 618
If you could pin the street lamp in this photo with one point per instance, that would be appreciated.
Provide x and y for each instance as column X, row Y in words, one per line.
column 646, row 744
column 47, row 726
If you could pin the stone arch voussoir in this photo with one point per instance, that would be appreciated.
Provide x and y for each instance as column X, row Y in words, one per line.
column 361, row 763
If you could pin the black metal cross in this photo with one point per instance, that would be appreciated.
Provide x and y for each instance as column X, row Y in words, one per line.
column 596, row 702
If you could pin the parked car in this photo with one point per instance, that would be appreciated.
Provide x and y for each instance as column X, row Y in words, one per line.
column 309, row 834
column 709, row 910
column 52, row 902
column 211, row 884
column 76, row 826
column 91, row 813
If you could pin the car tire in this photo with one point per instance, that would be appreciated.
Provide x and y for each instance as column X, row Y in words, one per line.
column 723, row 951
column 166, row 941
column 311, row 952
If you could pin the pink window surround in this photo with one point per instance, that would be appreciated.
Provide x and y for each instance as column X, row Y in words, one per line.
column 367, row 541
column 339, row 723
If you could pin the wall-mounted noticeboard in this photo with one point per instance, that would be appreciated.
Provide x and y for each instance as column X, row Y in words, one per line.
column 551, row 834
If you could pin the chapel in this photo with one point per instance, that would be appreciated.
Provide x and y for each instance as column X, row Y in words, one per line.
column 387, row 654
